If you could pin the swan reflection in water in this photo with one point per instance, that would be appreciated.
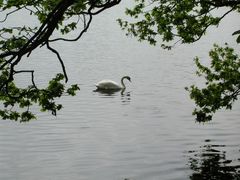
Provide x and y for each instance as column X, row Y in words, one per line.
column 109, row 92
column 125, row 95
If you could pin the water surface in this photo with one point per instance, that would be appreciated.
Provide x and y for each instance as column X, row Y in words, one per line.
column 146, row 133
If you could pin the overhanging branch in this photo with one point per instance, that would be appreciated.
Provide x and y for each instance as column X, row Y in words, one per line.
column 60, row 60
column 222, row 3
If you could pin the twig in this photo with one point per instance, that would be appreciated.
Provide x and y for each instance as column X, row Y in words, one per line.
column 60, row 60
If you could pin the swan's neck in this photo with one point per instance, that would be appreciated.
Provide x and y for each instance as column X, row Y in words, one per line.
column 123, row 85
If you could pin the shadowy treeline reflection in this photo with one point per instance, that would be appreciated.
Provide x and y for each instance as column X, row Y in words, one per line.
column 210, row 163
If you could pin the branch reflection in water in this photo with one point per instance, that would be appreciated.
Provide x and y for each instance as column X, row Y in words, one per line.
column 210, row 163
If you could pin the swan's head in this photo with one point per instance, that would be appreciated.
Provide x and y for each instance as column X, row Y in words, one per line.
column 127, row 77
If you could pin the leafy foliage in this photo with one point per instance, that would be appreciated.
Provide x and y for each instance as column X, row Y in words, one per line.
column 24, row 98
column 17, row 42
column 222, row 83
column 186, row 20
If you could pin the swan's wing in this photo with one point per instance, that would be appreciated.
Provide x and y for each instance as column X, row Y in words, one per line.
column 107, row 84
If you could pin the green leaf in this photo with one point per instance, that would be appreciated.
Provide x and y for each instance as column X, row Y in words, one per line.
column 222, row 83
column 236, row 32
column 238, row 39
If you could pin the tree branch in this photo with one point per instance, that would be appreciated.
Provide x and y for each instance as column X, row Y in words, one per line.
column 60, row 60
column 80, row 34
column 8, row 14
column 32, row 76
column 225, row 14
column 222, row 3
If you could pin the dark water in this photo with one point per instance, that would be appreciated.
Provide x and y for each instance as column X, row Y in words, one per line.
column 146, row 133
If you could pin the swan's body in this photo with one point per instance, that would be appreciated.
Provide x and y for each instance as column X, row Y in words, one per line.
column 112, row 85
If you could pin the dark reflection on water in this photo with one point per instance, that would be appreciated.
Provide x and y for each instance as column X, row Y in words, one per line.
column 109, row 92
column 209, row 162
column 125, row 95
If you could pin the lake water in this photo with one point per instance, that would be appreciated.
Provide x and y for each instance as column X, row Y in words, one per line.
column 146, row 133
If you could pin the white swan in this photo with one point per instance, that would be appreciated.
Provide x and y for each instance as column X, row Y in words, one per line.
column 109, row 85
